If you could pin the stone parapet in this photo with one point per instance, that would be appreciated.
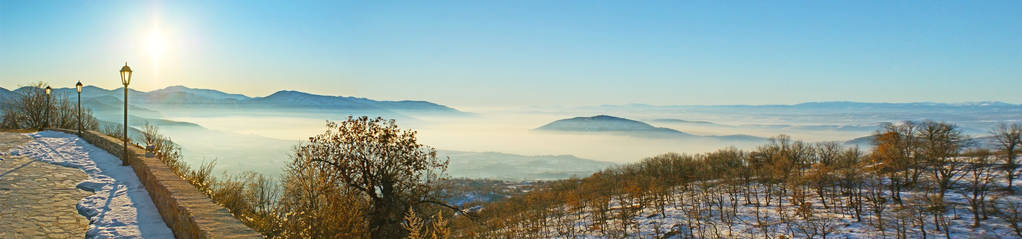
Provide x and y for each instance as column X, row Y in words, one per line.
column 188, row 212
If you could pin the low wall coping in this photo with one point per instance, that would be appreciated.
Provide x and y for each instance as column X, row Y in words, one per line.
column 185, row 210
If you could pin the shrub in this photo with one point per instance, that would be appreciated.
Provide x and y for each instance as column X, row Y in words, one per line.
column 317, row 197
column 30, row 109
column 383, row 164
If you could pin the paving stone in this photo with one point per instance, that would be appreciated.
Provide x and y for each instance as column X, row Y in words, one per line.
column 38, row 199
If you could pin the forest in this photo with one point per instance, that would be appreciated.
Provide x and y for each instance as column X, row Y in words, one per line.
column 920, row 180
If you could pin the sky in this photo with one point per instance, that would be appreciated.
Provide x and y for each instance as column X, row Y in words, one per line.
column 529, row 53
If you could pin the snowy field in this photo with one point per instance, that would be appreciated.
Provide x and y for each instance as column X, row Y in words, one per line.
column 713, row 210
column 120, row 207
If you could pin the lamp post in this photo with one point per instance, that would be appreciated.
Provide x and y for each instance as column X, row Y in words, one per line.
column 125, row 79
column 48, row 91
column 78, row 87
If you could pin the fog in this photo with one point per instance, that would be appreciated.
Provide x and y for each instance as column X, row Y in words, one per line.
column 261, row 140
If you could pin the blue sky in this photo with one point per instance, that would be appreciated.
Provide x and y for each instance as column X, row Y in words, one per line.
column 518, row 53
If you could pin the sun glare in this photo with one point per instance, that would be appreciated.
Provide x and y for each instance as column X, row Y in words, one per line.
column 156, row 44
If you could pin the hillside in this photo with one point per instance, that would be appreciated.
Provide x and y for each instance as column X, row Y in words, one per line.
column 606, row 124
column 799, row 190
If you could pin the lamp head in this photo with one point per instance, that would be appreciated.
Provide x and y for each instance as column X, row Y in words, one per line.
column 125, row 75
column 48, row 90
column 78, row 87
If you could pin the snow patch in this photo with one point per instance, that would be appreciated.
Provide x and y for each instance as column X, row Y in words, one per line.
column 120, row 207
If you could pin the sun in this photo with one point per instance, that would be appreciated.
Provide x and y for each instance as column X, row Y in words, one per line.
column 156, row 44
column 156, row 47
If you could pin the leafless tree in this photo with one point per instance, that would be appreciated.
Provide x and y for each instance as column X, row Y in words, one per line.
column 383, row 163
column 31, row 108
column 1011, row 212
column 941, row 143
column 980, row 175
column 27, row 108
column 878, row 201
column 1009, row 139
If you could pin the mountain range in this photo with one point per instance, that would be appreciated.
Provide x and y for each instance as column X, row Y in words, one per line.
column 836, row 106
column 819, row 127
column 623, row 126
column 986, row 142
column 101, row 99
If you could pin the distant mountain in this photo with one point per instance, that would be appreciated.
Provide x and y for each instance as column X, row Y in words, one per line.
column 831, row 107
column 181, row 95
column 987, row 142
column 915, row 105
column 492, row 165
column 808, row 127
column 864, row 141
column 681, row 121
column 4, row 93
column 302, row 99
column 622, row 126
column 606, row 123
column 816, row 127
column 185, row 95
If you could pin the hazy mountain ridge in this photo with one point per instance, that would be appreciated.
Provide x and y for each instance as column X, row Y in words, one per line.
column 298, row 98
column 681, row 121
column 835, row 105
column 606, row 123
column 618, row 125
column 853, row 104
column 974, row 118
column 986, row 142
column 185, row 95
column 833, row 127
column 286, row 98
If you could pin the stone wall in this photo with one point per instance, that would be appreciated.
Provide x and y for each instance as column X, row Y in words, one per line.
column 188, row 212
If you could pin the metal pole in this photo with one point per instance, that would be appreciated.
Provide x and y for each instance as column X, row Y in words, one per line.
column 79, row 113
column 124, row 157
column 47, row 124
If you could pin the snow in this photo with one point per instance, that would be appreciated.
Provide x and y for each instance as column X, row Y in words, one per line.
column 677, row 216
column 120, row 207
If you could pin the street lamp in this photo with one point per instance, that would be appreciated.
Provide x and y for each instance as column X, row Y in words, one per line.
column 48, row 91
column 78, row 87
column 125, row 79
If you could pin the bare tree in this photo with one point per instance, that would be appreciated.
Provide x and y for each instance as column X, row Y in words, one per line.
column 895, row 156
column 315, row 205
column 980, row 174
column 1009, row 139
column 27, row 108
column 878, row 201
column 380, row 161
column 1011, row 212
column 30, row 108
column 940, row 145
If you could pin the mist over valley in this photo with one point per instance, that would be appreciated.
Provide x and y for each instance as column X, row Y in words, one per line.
column 258, row 133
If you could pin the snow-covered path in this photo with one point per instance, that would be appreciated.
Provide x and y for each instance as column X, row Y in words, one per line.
column 120, row 207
